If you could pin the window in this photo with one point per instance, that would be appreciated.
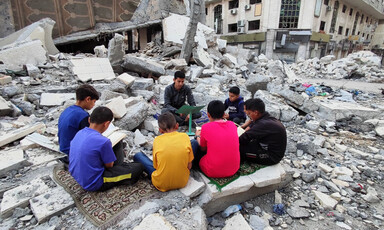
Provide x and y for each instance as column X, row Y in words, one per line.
column 366, row 20
column 233, row 4
column 344, row 8
column 358, row 33
column 362, row 17
column 232, row 27
column 254, row 25
column 367, row 36
column 289, row 13
column 206, row 11
column 254, row 1
column 355, row 23
column 326, row 2
column 350, row 12
column 334, row 17
column 347, row 32
column 340, row 30
column 218, row 20
column 322, row 26
column 363, row 35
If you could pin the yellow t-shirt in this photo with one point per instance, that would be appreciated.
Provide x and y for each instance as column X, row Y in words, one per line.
column 171, row 154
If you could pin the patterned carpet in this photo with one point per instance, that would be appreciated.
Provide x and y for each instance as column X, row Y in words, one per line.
column 103, row 209
column 246, row 168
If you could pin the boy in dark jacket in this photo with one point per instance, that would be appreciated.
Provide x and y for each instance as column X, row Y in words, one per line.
column 235, row 105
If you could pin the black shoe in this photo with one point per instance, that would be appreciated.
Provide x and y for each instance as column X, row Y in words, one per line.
column 194, row 124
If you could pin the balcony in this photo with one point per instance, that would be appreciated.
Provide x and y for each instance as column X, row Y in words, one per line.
column 372, row 7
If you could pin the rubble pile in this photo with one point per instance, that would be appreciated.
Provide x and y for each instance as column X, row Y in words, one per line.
column 335, row 151
column 360, row 66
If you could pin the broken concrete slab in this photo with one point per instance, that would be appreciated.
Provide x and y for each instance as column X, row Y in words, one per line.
column 268, row 176
column 127, row 79
column 236, row 222
column 202, row 57
column 326, row 201
column 142, row 84
column 335, row 110
column 154, row 221
column 4, row 79
column 40, row 30
column 143, row 66
column 152, row 125
column 257, row 82
column 20, row 196
column 135, row 115
column 139, row 138
column 176, row 64
column 55, row 99
column 92, row 69
column 116, row 51
column 51, row 203
column 6, row 108
column 193, row 188
column 11, row 160
column 117, row 105
column 16, row 55
column 19, row 133
column 43, row 141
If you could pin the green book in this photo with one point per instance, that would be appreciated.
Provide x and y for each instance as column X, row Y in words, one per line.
column 187, row 109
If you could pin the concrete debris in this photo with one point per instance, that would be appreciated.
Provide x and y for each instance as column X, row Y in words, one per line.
column 335, row 129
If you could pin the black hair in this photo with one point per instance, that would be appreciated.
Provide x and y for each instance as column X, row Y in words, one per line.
column 255, row 104
column 235, row 90
column 179, row 74
column 166, row 121
column 101, row 114
column 85, row 91
column 216, row 109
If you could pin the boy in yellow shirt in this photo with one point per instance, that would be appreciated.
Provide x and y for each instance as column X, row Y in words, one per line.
column 172, row 156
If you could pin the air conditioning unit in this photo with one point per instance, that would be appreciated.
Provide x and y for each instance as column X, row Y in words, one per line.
column 247, row 7
column 329, row 8
column 241, row 23
column 240, row 30
column 234, row 11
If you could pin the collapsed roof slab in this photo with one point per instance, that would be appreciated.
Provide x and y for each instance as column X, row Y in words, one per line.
column 92, row 69
column 41, row 30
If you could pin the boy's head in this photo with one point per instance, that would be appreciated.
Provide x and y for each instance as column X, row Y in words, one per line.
column 167, row 123
column 234, row 93
column 101, row 116
column 216, row 109
column 179, row 79
column 254, row 108
column 87, row 96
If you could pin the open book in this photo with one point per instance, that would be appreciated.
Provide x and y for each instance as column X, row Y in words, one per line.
column 114, row 134
column 240, row 131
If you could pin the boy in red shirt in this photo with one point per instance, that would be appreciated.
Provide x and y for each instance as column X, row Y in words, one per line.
column 220, row 141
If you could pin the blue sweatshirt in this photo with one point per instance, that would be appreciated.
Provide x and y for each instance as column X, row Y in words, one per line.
column 236, row 108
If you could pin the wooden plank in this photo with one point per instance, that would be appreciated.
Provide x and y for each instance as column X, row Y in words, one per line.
column 19, row 133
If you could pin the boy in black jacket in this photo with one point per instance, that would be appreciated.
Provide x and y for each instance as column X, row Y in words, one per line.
column 235, row 105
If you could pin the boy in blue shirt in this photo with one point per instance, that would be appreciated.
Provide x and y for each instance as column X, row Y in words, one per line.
column 235, row 105
column 75, row 118
column 92, row 161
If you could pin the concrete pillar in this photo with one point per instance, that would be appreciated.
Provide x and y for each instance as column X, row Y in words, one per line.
column 270, row 39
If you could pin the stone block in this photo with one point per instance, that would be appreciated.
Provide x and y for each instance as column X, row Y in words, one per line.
column 20, row 196
column 100, row 51
column 32, row 70
column 92, row 69
column 154, row 221
column 135, row 115
column 127, row 79
column 177, row 64
column 5, row 79
column 117, row 105
column 143, row 66
column 166, row 79
column 11, row 160
column 325, row 167
column 116, row 50
column 193, row 188
column 143, row 84
column 221, row 44
column 146, row 94
column 243, row 183
column 236, row 222
column 380, row 131
column 196, row 72
column 268, row 176
column 326, row 201
column 6, row 108
column 51, row 203
column 202, row 57
column 17, row 55
column 55, row 99
column 139, row 138
column 152, row 125
column 231, row 58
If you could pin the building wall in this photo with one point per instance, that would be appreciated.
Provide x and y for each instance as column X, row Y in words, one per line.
column 6, row 19
column 378, row 37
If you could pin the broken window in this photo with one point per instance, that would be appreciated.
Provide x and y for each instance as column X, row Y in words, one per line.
column 347, row 32
column 344, row 8
column 322, row 26
column 254, row 25
column 233, row 4
column 334, row 17
column 232, row 27
column 366, row 20
column 362, row 17
column 326, row 2
column 355, row 23
column 289, row 13
column 340, row 30
column 350, row 12
column 254, row 1
column 218, row 19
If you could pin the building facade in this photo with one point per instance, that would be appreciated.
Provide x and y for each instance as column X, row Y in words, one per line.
column 292, row 29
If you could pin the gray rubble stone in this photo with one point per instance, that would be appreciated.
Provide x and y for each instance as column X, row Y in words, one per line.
column 143, row 84
column 256, row 82
column 135, row 115
column 257, row 223
column 298, row 212
column 142, row 66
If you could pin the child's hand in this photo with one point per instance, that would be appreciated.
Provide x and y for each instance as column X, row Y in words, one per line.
column 198, row 131
column 226, row 116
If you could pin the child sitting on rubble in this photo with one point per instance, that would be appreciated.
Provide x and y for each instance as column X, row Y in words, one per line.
column 235, row 105
column 92, row 161
column 75, row 118
column 172, row 156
